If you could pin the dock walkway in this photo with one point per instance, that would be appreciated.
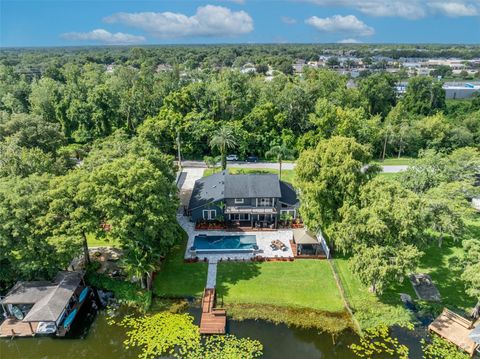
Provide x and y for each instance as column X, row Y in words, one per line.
column 214, row 320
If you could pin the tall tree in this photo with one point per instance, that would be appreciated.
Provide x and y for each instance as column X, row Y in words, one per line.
column 379, row 90
column 223, row 140
column 386, row 214
column 424, row 96
column 330, row 176
column 379, row 266
column 280, row 153
column 138, row 202
column 26, row 252
column 71, row 214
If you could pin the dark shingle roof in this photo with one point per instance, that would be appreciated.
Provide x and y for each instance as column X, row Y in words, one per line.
column 207, row 190
column 289, row 195
column 224, row 185
column 252, row 186
column 48, row 299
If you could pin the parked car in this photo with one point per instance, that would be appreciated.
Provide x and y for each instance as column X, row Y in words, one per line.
column 232, row 158
column 252, row 159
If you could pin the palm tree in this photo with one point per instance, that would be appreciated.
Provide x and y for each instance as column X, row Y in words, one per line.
column 223, row 140
column 140, row 263
column 212, row 162
column 280, row 153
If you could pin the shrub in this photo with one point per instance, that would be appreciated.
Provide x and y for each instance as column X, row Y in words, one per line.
column 126, row 293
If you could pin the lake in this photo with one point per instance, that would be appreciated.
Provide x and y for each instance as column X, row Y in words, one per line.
column 95, row 338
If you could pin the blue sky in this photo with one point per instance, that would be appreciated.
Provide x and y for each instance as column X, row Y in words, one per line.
column 97, row 22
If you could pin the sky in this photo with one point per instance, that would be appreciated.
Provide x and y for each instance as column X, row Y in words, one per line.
column 25, row 23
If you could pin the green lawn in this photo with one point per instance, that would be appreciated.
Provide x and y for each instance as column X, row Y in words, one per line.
column 445, row 267
column 368, row 309
column 402, row 161
column 298, row 284
column 442, row 264
column 389, row 175
column 98, row 242
column 287, row 175
column 177, row 279
column 301, row 293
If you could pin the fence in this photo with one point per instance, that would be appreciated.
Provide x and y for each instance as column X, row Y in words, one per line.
column 324, row 244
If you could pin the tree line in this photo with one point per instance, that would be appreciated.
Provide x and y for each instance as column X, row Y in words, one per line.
column 82, row 149
column 383, row 224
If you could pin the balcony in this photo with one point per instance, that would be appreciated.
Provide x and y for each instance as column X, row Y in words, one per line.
column 250, row 210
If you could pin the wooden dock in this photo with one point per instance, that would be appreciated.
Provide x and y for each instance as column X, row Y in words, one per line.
column 214, row 320
column 13, row 327
column 455, row 329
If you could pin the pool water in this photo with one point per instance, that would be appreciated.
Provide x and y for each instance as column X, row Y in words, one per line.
column 225, row 243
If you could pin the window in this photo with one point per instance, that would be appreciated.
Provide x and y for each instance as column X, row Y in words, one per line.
column 240, row 217
column 290, row 212
column 265, row 202
column 209, row 214
column 239, row 200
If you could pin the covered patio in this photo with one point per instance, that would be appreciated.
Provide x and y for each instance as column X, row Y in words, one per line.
column 306, row 244
column 255, row 218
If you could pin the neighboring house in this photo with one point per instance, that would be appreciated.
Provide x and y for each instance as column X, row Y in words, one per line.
column 250, row 200
column 40, row 307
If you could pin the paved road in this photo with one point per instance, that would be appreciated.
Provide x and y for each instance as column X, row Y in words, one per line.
column 272, row 165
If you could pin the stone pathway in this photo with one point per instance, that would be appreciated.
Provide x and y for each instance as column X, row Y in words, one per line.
column 212, row 274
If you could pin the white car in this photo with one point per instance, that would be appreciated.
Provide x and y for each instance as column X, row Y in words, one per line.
column 232, row 158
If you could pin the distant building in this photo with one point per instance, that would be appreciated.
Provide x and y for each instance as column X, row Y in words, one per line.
column 248, row 68
column 299, row 65
column 163, row 68
column 459, row 92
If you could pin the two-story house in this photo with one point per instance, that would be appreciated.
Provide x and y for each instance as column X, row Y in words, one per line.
column 246, row 200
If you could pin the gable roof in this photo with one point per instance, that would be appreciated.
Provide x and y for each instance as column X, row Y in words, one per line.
column 224, row 185
column 303, row 236
column 289, row 195
column 207, row 190
column 48, row 299
column 27, row 292
column 252, row 186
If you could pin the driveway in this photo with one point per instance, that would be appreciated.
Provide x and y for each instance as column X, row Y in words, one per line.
column 186, row 181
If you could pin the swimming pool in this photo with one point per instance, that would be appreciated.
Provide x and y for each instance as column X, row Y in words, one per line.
column 228, row 243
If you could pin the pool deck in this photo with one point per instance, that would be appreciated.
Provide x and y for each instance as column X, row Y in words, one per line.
column 264, row 240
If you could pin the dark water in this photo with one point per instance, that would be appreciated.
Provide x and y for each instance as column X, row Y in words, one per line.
column 95, row 338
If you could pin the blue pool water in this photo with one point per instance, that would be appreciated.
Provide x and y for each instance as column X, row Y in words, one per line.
column 233, row 243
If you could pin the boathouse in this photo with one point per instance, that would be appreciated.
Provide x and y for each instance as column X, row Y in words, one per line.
column 41, row 307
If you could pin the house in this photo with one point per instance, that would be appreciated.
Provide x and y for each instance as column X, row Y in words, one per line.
column 42, row 307
column 244, row 200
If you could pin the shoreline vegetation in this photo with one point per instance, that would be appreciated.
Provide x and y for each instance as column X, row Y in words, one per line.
column 239, row 291
column 299, row 293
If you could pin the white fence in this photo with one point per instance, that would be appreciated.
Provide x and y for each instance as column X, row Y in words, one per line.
column 476, row 203
column 324, row 244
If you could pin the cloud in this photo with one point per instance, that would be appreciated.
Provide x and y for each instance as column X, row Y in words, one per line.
column 241, row 2
column 208, row 21
column 288, row 20
column 454, row 9
column 341, row 24
column 409, row 9
column 103, row 36
column 349, row 41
